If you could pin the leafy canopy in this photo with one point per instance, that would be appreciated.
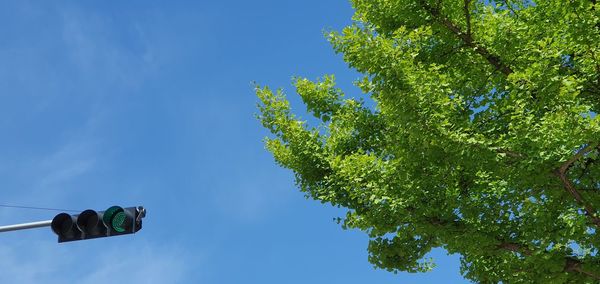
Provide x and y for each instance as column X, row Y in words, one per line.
column 484, row 138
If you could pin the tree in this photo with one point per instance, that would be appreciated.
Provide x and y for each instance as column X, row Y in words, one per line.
column 483, row 140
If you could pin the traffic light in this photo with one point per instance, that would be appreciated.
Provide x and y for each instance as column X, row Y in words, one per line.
column 91, row 224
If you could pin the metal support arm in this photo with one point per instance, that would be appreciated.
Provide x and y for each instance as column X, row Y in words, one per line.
column 25, row 226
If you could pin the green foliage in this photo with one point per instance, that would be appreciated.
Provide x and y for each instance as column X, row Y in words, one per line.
column 484, row 138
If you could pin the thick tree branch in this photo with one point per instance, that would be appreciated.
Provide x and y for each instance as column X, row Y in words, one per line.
column 467, row 39
column 584, row 151
column 509, row 153
column 571, row 264
column 570, row 188
column 515, row 248
column 574, row 265
column 561, row 172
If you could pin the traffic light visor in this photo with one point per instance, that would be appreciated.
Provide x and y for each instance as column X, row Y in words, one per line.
column 62, row 225
column 88, row 221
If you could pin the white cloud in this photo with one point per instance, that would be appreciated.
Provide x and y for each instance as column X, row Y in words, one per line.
column 45, row 178
column 72, row 160
column 100, row 57
column 25, row 264
column 149, row 265
column 44, row 262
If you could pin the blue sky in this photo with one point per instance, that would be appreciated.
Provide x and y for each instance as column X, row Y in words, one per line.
column 151, row 103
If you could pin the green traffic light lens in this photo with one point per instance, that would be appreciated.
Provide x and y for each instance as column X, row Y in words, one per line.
column 110, row 213
column 118, row 222
column 116, row 219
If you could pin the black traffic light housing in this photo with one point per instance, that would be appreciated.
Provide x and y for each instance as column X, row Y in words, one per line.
column 91, row 224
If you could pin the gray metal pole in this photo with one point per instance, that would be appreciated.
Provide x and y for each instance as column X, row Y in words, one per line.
column 25, row 226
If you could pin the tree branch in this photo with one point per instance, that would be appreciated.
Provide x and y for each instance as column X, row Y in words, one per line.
column 561, row 172
column 510, row 7
column 467, row 16
column 589, row 210
column 509, row 153
column 574, row 265
column 571, row 264
column 585, row 168
column 467, row 39
column 515, row 248
column 566, row 165
column 592, row 190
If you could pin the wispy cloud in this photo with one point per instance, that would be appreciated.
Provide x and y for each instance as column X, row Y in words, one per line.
column 41, row 262
column 47, row 180
column 72, row 160
column 98, row 60
column 151, row 264
column 96, row 48
column 21, row 263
